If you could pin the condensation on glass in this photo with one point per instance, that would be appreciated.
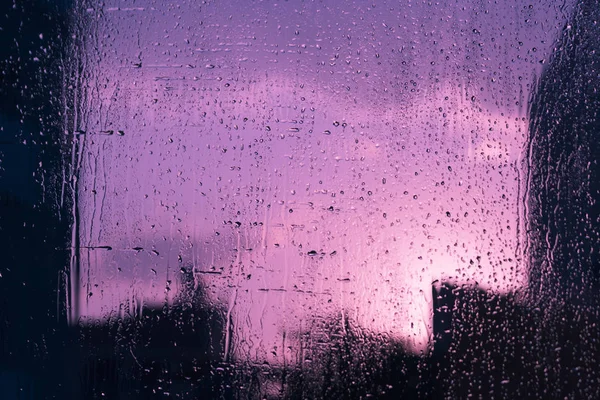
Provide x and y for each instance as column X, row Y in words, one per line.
column 315, row 176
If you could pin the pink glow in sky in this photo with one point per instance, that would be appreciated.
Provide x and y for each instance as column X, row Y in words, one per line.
column 317, row 158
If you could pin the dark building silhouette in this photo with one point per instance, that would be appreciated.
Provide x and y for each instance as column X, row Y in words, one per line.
column 33, row 227
column 563, row 198
column 563, row 203
column 175, row 350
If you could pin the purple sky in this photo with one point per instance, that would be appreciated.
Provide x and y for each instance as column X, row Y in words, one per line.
column 384, row 137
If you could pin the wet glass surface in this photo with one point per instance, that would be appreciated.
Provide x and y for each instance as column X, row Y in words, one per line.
column 299, row 199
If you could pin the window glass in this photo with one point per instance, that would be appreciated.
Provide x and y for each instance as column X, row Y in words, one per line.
column 302, row 199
